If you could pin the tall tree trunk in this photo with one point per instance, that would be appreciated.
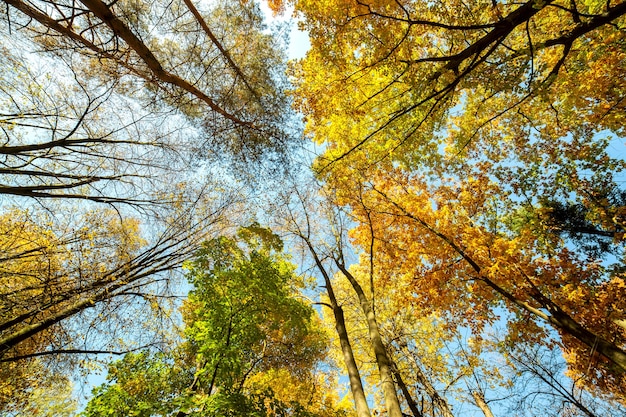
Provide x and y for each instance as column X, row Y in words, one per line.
column 356, row 385
column 405, row 391
column 436, row 399
column 382, row 359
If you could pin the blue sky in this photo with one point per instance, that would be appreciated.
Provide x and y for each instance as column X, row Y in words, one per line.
column 298, row 40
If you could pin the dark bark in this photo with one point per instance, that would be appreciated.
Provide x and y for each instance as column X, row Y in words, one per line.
column 405, row 391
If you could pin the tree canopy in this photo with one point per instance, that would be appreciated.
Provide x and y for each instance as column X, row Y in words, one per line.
column 475, row 148
column 116, row 123
column 252, row 346
column 457, row 239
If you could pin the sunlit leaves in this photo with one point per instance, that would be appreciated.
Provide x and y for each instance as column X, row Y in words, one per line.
column 243, row 309
column 251, row 346
column 459, row 135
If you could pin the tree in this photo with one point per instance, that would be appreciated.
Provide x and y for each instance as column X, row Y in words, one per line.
column 389, row 350
column 245, row 326
column 115, row 123
column 539, row 376
column 68, row 294
column 245, row 301
column 440, row 246
column 327, row 258
column 391, row 72
column 112, row 115
column 443, row 122
column 442, row 360
column 54, row 400
column 216, row 65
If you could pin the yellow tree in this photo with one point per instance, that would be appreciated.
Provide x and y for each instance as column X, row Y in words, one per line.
column 468, row 130
column 40, row 285
column 298, row 219
column 389, row 73
column 393, row 352
column 439, row 243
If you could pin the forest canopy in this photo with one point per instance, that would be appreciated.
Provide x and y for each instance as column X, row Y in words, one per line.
column 441, row 235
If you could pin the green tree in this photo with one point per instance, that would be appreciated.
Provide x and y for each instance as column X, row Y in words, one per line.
column 245, row 324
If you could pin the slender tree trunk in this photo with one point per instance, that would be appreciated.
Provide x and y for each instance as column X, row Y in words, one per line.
column 382, row 359
column 152, row 261
column 356, row 385
column 405, row 391
column 482, row 404
column 436, row 399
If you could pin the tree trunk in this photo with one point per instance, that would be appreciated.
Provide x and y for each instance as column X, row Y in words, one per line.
column 382, row 359
column 436, row 399
column 482, row 404
column 405, row 391
column 356, row 385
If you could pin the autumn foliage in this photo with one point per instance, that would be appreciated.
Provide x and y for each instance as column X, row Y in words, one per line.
column 460, row 230
column 457, row 136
